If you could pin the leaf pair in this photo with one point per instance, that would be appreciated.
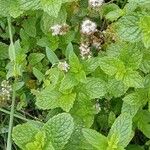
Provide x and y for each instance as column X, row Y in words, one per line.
column 118, row 138
column 53, row 135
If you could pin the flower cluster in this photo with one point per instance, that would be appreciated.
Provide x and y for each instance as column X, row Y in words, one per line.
column 6, row 89
column 63, row 66
column 85, row 51
column 95, row 3
column 59, row 29
column 88, row 27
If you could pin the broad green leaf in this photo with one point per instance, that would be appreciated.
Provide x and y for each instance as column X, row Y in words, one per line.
column 114, row 15
column 59, row 129
column 133, row 79
column 94, row 88
column 145, row 26
column 77, row 140
column 96, row 139
column 4, row 7
column 128, row 28
column 122, row 129
column 47, row 98
column 23, row 134
column 52, row 57
column 130, row 109
column 52, row 7
column 50, row 98
column 30, row 4
column 14, row 8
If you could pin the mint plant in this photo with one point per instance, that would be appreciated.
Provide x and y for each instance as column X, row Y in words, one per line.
column 75, row 74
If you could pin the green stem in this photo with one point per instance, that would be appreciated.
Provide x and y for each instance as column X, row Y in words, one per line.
column 9, row 140
column 15, row 115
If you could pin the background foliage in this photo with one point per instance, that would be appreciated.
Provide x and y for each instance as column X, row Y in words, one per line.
column 66, row 101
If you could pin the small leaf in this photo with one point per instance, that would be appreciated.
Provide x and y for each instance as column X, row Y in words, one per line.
column 145, row 26
column 38, row 74
column 52, row 57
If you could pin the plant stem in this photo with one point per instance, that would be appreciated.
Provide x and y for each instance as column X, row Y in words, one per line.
column 15, row 115
column 9, row 140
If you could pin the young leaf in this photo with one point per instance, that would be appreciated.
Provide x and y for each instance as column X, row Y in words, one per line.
column 23, row 134
column 96, row 139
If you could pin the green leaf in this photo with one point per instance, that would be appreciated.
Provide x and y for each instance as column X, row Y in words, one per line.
column 130, row 109
column 38, row 142
column 52, row 7
column 91, row 64
column 59, row 129
column 142, row 120
column 47, row 98
column 111, row 65
column 94, row 88
column 114, row 15
column 96, row 139
column 52, row 57
column 116, row 88
column 47, row 21
column 23, row 134
column 133, row 79
column 128, row 28
column 29, row 26
column 74, row 62
column 38, row 74
column 68, row 82
column 77, row 140
column 83, row 110
column 66, row 101
column 122, row 128
column 3, row 51
column 35, row 58
column 145, row 26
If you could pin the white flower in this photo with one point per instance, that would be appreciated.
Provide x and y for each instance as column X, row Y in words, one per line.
column 95, row 3
column 64, row 66
column 85, row 51
column 59, row 29
column 88, row 27
column 56, row 29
